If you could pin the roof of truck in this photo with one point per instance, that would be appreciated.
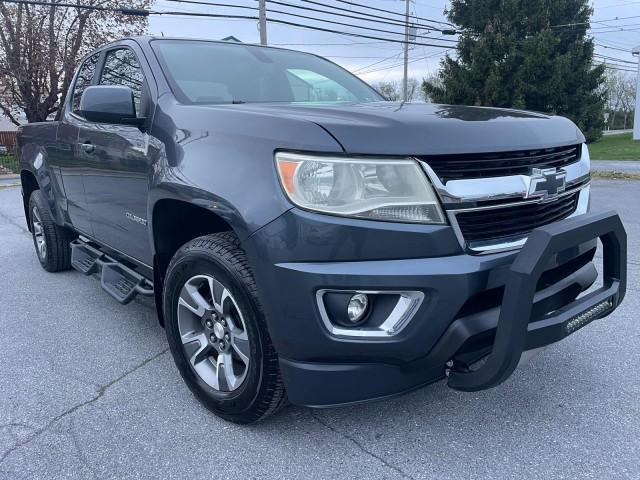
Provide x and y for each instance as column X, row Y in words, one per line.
column 232, row 41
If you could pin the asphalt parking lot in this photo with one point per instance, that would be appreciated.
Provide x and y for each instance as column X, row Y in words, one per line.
column 88, row 390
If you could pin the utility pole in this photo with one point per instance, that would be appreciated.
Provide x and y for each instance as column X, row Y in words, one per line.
column 262, row 5
column 636, row 121
column 405, row 79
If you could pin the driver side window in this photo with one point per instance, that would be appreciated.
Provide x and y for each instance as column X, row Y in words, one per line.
column 121, row 67
column 83, row 80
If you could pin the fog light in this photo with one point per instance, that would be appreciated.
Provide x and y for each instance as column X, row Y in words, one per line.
column 367, row 314
column 357, row 307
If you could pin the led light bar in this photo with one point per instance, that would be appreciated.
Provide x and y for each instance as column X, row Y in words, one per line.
column 588, row 316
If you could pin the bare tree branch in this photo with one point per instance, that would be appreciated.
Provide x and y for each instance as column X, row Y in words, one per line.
column 40, row 46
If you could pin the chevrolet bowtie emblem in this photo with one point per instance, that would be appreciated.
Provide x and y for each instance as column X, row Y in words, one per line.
column 547, row 183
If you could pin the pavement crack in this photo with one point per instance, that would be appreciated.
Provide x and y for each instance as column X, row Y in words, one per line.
column 99, row 394
column 11, row 426
column 360, row 446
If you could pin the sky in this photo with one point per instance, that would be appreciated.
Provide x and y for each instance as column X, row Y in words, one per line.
column 373, row 60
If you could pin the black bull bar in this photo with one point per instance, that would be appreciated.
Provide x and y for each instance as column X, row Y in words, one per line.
column 516, row 332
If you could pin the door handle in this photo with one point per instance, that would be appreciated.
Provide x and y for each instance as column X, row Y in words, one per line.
column 88, row 147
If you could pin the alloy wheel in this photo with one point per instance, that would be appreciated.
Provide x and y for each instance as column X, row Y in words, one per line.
column 213, row 333
column 38, row 234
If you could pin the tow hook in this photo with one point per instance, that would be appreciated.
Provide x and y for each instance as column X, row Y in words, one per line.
column 456, row 366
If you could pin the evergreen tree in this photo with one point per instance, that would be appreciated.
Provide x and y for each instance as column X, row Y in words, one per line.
column 531, row 54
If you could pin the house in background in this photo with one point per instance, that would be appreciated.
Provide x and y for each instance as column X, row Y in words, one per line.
column 7, row 125
column 8, row 131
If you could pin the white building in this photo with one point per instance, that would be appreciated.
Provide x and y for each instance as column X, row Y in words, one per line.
column 6, row 125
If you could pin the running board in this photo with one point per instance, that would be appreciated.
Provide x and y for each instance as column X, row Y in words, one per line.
column 84, row 258
column 118, row 280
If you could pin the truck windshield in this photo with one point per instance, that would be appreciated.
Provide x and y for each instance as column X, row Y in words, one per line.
column 203, row 72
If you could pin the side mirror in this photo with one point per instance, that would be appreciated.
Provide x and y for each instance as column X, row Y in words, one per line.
column 109, row 104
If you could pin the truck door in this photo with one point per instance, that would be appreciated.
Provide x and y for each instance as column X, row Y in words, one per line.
column 120, row 158
column 63, row 158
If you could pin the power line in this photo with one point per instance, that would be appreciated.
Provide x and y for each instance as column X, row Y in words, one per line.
column 299, row 25
column 616, row 19
column 359, row 16
column 609, row 67
column 123, row 11
column 389, row 67
column 127, row 11
column 614, row 58
column 614, row 48
column 325, row 44
column 357, row 57
column 392, row 57
column 618, row 30
column 378, row 18
column 618, row 44
column 624, row 68
column 212, row 4
column 617, row 5
column 316, row 19
column 201, row 2
column 596, row 29
column 370, row 15
column 393, row 13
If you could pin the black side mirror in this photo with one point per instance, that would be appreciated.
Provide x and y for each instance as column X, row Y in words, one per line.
column 109, row 104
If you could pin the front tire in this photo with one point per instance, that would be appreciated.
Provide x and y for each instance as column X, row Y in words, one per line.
column 52, row 242
column 217, row 331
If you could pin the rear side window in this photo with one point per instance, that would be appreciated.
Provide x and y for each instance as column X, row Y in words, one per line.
column 121, row 67
column 83, row 80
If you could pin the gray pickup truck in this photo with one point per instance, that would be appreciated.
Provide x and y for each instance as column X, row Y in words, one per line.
column 306, row 240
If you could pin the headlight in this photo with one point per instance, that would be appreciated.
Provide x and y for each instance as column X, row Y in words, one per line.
column 377, row 189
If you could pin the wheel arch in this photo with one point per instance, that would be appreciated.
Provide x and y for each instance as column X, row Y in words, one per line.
column 29, row 185
column 174, row 222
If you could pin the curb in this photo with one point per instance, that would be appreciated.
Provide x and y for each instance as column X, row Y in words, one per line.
column 631, row 167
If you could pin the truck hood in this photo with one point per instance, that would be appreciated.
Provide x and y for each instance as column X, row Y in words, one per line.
column 389, row 128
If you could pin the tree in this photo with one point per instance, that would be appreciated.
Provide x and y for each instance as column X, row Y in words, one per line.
column 614, row 91
column 40, row 46
column 620, row 92
column 520, row 53
column 392, row 90
column 434, row 79
column 628, row 99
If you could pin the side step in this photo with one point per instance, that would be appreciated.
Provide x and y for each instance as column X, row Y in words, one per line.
column 84, row 257
column 118, row 280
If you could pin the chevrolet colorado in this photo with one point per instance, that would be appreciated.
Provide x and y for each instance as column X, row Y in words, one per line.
column 303, row 238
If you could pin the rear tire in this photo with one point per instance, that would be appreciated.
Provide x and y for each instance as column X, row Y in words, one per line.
column 51, row 241
column 217, row 331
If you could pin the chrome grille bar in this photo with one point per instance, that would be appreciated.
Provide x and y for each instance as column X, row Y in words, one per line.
column 507, row 192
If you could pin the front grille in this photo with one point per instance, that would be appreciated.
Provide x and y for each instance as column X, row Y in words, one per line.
column 513, row 221
column 482, row 165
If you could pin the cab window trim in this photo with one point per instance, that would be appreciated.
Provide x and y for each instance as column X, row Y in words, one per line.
column 68, row 104
column 145, row 91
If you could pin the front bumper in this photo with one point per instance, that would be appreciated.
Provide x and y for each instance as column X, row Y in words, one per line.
column 502, row 305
